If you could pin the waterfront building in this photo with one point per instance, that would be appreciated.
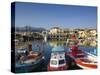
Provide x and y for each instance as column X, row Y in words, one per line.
column 55, row 30
column 57, row 33
column 93, row 32
column 93, row 43
column 81, row 33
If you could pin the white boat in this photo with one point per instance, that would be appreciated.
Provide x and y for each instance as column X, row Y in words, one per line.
column 57, row 60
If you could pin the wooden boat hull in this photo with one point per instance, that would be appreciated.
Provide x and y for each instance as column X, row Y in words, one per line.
column 85, row 65
column 27, row 67
column 84, row 60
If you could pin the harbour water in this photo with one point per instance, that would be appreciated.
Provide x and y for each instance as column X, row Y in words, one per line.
column 47, row 47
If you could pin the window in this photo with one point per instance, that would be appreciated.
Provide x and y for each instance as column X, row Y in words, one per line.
column 53, row 62
column 61, row 61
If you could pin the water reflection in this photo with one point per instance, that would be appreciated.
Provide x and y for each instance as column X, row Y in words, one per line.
column 57, row 43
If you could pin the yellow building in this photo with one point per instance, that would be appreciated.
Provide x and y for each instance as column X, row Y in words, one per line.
column 93, row 32
column 93, row 43
column 81, row 33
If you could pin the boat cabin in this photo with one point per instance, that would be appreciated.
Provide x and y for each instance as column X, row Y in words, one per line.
column 57, row 60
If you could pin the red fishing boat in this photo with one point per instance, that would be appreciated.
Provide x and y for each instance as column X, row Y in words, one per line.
column 83, row 59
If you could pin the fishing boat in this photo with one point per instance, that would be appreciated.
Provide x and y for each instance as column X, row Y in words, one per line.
column 30, row 61
column 57, row 60
column 82, row 58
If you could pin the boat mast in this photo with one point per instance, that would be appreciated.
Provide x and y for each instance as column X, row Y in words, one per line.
column 28, row 43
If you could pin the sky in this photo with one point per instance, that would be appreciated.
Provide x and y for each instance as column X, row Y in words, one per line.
column 51, row 15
